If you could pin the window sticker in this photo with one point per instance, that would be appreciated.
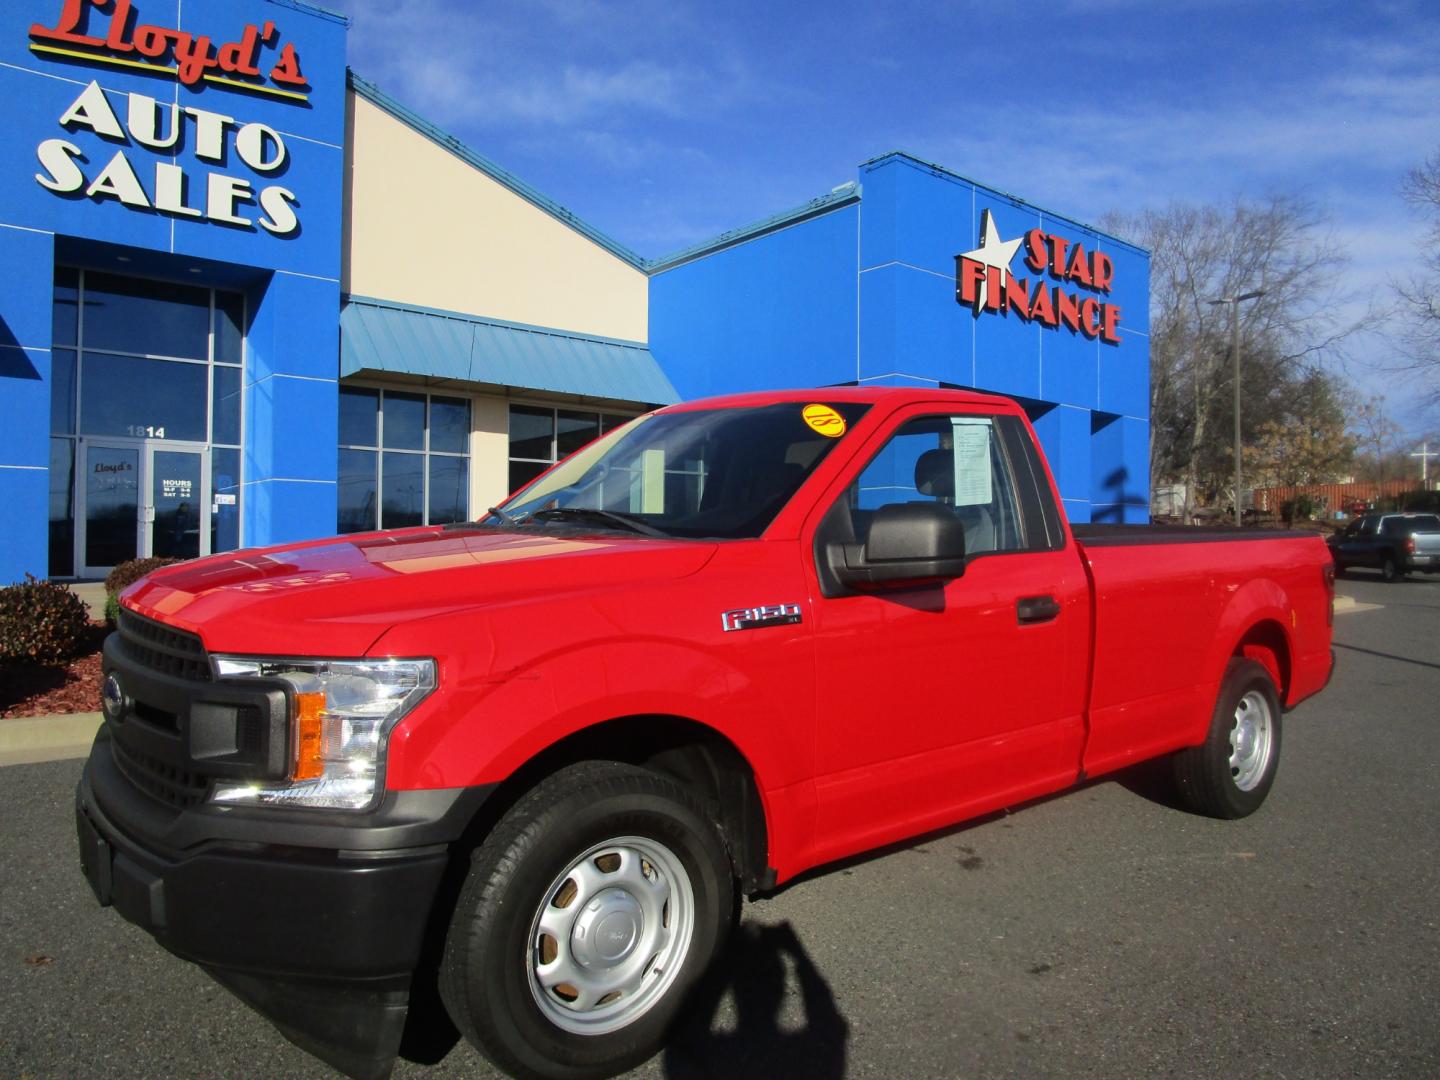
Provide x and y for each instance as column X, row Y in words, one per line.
column 970, row 441
column 824, row 420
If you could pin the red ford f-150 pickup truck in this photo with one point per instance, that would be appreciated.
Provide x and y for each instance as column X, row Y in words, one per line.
column 534, row 761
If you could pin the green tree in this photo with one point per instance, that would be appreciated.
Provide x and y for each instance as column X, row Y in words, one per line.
column 1308, row 443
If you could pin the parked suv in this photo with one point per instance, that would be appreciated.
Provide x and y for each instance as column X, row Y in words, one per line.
column 1395, row 544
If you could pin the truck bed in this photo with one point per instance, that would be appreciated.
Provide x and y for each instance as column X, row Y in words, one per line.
column 1170, row 602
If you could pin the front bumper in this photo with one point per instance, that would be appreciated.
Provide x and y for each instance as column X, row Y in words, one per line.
column 322, row 941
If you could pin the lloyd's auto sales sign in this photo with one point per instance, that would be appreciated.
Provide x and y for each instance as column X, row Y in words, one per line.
column 1071, row 287
column 144, row 171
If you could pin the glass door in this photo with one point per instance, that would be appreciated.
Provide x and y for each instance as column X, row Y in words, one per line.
column 177, row 504
column 139, row 499
column 109, row 511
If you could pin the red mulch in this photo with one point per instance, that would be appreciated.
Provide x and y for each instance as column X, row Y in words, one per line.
column 43, row 690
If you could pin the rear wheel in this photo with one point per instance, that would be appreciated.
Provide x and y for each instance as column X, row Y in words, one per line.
column 1390, row 569
column 1230, row 773
column 589, row 912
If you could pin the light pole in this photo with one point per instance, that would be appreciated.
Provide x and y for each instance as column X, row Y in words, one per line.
column 1234, row 302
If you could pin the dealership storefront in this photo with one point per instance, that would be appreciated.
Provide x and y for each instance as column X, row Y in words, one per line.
column 252, row 299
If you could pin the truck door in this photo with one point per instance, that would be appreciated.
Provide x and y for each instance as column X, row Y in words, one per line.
column 943, row 700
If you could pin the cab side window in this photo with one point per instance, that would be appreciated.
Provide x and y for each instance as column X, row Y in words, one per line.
column 957, row 461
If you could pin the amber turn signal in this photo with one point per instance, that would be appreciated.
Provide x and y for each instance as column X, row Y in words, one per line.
column 309, row 708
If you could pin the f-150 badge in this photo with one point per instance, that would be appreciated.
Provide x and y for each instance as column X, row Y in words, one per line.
column 753, row 618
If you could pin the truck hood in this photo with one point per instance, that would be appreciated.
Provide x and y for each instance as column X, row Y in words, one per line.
column 336, row 597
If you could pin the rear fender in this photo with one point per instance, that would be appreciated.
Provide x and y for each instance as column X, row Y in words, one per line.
column 1254, row 603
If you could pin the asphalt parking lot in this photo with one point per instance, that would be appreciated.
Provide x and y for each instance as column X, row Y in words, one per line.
column 1097, row 933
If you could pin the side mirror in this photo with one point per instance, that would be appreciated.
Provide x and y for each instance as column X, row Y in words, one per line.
column 908, row 543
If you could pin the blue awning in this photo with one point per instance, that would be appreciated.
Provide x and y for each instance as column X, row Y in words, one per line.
column 380, row 336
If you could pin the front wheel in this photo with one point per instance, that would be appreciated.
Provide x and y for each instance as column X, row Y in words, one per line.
column 1230, row 773
column 594, row 906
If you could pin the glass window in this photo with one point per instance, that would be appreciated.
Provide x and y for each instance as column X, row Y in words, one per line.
column 449, row 489
column 574, row 430
column 532, row 433
column 224, row 499
column 153, row 317
column 140, row 398
column 225, row 417
column 66, row 311
column 449, row 425
column 229, row 327
column 357, row 491
column 389, row 490
column 522, row 472
column 62, row 392
column 957, row 461
column 359, row 412
column 62, row 507
column 711, row 473
column 403, row 419
column 402, row 484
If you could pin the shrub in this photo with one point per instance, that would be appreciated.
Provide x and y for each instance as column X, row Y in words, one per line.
column 112, row 611
column 41, row 622
column 127, row 573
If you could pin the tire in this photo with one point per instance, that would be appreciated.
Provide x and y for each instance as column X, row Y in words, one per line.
column 1390, row 570
column 588, row 914
column 1230, row 773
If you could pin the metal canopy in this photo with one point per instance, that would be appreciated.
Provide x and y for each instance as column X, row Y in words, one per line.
column 380, row 336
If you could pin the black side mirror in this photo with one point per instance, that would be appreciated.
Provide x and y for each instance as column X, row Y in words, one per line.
column 908, row 543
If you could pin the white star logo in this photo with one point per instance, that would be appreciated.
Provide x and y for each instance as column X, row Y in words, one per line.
column 992, row 252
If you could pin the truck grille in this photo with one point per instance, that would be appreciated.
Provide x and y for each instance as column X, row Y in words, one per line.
column 171, row 785
column 163, row 648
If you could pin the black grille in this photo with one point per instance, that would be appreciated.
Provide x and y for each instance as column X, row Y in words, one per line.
column 177, row 787
column 163, row 648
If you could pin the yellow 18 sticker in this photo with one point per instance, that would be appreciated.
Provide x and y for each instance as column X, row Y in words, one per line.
column 825, row 420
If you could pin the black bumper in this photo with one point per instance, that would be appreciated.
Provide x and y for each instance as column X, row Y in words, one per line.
column 316, row 920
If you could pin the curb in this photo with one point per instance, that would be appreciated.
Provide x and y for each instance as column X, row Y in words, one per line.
column 31, row 740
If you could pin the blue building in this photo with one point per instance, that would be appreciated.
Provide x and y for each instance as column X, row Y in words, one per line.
column 252, row 299
column 869, row 285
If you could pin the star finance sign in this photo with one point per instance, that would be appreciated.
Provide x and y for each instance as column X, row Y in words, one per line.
column 985, row 282
column 252, row 58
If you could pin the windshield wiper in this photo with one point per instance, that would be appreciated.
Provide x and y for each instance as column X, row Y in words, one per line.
column 624, row 521
column 507, row 520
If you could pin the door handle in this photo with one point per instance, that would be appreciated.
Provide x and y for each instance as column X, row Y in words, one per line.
column 1036, row 609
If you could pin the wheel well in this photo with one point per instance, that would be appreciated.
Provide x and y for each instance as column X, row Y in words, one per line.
column 1265, row 643
column 699, row 757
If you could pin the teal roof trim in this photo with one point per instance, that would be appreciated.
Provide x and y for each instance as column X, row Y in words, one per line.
column 844, row 195
column 373, row 94
column 383, row 336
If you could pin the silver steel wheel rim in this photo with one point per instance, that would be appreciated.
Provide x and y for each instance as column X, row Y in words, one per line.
column 1251, row 740
column 610, row 935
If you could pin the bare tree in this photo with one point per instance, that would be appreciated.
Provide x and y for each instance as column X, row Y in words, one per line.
column 1280, row 245
column 1419, row 295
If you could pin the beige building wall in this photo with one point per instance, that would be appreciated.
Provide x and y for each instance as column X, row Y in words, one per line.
column 425, row 227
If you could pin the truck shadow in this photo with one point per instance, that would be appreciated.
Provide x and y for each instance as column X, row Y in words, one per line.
column 757, row 1035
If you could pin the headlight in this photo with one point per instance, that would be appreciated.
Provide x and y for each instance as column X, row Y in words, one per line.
column 340, row 714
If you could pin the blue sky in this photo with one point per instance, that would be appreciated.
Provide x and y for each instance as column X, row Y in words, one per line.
column 664, row 122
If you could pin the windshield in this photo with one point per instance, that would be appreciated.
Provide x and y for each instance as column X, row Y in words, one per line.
column 705, row 473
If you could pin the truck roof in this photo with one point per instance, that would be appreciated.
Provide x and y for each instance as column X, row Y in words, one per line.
column 869, row 395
